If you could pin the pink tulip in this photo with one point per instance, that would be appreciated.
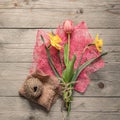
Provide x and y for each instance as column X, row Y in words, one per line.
column 68, row 26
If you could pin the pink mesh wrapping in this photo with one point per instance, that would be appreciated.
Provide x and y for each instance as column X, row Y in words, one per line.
column 80, row 37
column 40, row 59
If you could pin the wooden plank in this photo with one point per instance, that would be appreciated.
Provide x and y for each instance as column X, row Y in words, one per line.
column 14, row 74
column 9, row 53
column 58, row 116
column 10, row 46
column 94, row 116
column 21, row 68
column 58, row 4
column 28, row 36
column 20, row 104
column 82, row 109
column 111, row 87
column 50, row 18
column 17, row 104
column 27, row 115
column 22, row 41
column 96, row 104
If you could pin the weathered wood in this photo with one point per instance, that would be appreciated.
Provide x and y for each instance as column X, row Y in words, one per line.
column 33, row 115
column 17, row 104
column 14, row 74
column 28, row 36
column 58, row 4
column 79, row 104
column 94, row 116
column 50, row 18
column 24, row 67
column 19, row 44
column 22, row 41
column 58, row 116
column 10, row 87
column 16, row 47
column 11, row 54
column 96, row 104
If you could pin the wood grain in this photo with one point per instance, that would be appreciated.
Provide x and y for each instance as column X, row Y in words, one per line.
column 30, row 115
column 96, row 104
column 28, row 36
column 12, row 75
column 19, row 21
column 21, row 104
column 78, row 105
column 19, row 44
column 11, row 55
column 22, row 41
column 25, row 4
column 94, row 116
column 50, row 18
column 59, row 116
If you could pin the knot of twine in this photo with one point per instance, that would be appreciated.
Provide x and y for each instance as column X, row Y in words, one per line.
column 33, row 87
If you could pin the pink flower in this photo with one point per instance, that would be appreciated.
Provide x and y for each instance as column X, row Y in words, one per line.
column 68, row 26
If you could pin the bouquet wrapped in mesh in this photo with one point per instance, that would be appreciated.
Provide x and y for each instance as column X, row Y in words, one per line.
column 68, row 56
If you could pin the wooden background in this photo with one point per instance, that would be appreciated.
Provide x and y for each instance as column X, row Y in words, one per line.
column 19, row 21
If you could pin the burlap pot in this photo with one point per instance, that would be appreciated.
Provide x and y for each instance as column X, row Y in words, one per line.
column 40, row 88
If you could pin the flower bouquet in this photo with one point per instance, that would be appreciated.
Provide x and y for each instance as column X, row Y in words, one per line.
column 62, row 61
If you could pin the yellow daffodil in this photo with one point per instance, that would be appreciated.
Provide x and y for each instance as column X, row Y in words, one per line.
column 98, row 43
column 55, row 41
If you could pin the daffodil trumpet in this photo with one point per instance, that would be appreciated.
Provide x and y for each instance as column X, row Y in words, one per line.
column 55, row 41
column 98, row 43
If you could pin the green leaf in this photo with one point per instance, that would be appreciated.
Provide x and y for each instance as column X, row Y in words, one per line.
column 51, row 63
column 50, row 59
column 60, row 60
column 66, row 54
column 83, row 66
column 42, row 39
column 69, row 71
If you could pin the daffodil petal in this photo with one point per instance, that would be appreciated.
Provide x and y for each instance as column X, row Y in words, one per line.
column 98, row 43
column 55, row 40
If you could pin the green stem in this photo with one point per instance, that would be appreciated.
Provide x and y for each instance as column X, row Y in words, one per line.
column 49, row 46
column 68, row 46
column 51, row 63
column 50, row 59
column 60, row 60
column 84, row 65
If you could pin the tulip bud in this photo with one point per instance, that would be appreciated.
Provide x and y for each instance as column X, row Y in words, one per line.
column 68, row 26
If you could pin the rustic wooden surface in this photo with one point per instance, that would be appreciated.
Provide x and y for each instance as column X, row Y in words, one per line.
column 19, row 21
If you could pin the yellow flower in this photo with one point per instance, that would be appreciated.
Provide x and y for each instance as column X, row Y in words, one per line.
column 55, row 41
column 98, row 43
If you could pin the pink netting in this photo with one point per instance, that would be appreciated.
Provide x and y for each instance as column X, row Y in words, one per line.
column 80, row 37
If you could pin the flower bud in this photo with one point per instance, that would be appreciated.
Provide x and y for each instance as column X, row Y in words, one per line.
column 68, row 26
